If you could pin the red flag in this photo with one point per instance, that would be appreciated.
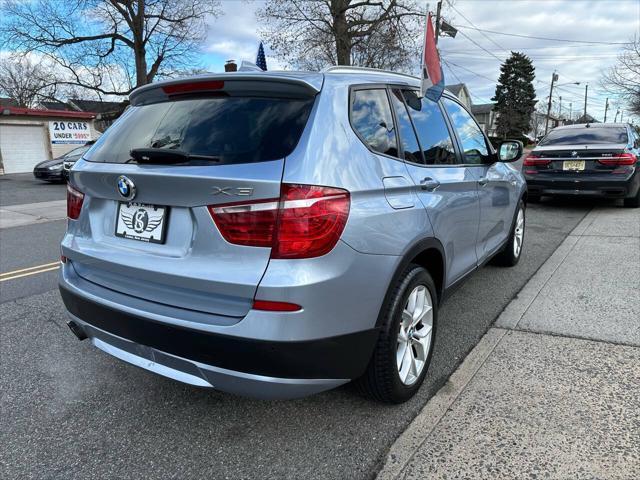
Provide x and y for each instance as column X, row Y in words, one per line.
column 432, row 77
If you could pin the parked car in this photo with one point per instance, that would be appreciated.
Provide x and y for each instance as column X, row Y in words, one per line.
column 280, row 234
column 595, row 160
column 72, row 157
column 56, row 170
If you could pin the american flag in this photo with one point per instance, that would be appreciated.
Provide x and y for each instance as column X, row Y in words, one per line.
column 260, row 60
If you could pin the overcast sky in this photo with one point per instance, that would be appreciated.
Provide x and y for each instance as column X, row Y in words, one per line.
column 235, row 35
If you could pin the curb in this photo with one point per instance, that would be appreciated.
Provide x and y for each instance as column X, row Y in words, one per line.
column 421, row 427
column 410, row 441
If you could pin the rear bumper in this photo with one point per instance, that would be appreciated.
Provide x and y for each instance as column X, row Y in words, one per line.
column 602, row 186
column 264, row 369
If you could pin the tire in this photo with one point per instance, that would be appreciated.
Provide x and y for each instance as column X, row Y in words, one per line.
column 383, row 380
column 509, row 256
column 633, row 202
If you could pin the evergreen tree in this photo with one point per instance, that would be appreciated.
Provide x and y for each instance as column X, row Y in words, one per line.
column 515, row 96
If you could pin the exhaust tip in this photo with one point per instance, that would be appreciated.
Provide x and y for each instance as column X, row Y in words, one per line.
column 77, row 330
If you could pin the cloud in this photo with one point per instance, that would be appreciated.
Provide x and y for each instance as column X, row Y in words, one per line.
column 601, row 21
column 235, row 36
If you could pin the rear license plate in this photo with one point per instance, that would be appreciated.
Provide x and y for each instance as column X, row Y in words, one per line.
column 137, row 221
column 573, row 165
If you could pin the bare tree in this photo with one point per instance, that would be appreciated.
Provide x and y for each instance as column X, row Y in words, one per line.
column 623, row 79
column 316, row 33
column 25, row 81
column 109, row 46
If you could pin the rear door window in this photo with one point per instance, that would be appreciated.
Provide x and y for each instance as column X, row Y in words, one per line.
column 435, row 140
column 472, row 140
column 586, row 136
column 371, row 117
column 410, row 145
column 230, row 129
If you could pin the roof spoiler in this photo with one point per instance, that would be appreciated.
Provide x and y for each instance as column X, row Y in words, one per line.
column 230, row 84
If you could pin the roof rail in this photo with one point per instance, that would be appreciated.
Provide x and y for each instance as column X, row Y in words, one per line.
column 353, row 69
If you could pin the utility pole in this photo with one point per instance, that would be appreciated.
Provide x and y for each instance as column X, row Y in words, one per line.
column 615, row 120
column 621, row 115
column 560, row 108
column 586, row 88
column 554, row 78
column 438, row 20
column 571, row 111
column 606, row 107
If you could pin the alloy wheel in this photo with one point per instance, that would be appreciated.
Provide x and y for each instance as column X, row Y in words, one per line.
column 518, row 234
column 414, row 337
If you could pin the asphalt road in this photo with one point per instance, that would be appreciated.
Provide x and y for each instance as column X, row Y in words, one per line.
column 70, row 411
column 22, row 188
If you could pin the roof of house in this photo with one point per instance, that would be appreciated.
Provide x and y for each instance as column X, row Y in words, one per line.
column 482, row 108
column 97, row 106
column 55, row 105
column 455, row 89
column 585, row 118
column 46, row 113
column 8, row 102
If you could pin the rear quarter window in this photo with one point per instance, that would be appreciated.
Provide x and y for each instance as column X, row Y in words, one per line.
column 586, row 136
column 371, row 117
column 231, row 129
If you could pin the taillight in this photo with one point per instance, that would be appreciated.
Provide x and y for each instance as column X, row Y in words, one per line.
column 270, row 306
column 619, row 159
column 311, row 220
column 533, row 160
column 305, row 222
column 244, row 223
column 74, row 202
column 193, row 87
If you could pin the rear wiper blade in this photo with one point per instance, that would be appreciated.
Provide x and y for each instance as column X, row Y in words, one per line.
column 166, row 156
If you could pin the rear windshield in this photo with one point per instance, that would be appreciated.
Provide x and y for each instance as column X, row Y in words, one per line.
column 230, row 129
column 585, row 136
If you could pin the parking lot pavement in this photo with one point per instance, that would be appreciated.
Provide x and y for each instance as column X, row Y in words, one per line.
column 23, row 188
column 71, row 411
column 553, row 391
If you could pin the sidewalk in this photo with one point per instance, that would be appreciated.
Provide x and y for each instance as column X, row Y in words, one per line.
column 553, row 389
column 30, row 213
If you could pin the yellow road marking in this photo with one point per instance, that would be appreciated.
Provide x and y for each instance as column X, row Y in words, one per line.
column 25, row 272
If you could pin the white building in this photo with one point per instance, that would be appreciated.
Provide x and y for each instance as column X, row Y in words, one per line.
column 29, row 136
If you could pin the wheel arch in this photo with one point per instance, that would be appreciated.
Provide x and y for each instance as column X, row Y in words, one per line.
column 429, row 254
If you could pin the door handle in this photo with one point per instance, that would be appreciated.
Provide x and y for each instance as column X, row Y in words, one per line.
column 429, row 184
column 483, row 181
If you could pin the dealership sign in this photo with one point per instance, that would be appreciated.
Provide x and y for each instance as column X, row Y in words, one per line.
column 69, row 132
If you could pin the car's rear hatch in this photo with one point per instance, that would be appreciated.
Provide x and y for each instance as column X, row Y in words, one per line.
column 580, row 151
column 211, row 141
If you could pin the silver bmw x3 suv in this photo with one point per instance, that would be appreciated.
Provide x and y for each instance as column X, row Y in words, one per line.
column 280, row 234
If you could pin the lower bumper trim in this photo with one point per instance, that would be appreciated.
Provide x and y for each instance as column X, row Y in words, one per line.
column 340, row 357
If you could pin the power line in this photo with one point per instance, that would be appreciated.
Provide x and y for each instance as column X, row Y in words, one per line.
column 533, row 57
column 480, row 46
column 472, row 72
column 542, row 38
column 551, row 47
column 458, row 78
column 477, row 29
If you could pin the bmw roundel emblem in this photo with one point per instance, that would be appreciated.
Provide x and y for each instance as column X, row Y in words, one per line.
column 126, row 187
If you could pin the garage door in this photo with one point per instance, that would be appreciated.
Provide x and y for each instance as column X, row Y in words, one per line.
column 22, row 146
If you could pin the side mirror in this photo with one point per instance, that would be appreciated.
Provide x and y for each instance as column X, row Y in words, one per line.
column 510, row 151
